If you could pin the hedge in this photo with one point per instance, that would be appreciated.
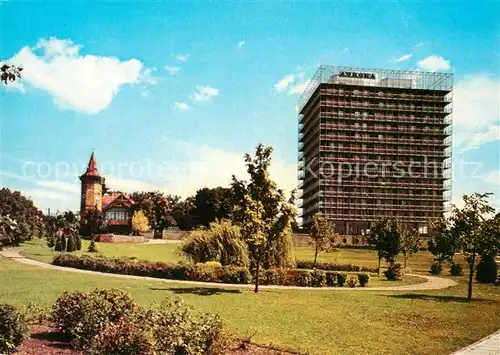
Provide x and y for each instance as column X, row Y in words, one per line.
column 203, row 272
column 162, row 270
column 324, row 265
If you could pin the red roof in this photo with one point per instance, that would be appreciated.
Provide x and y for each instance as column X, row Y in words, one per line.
column 92, row 167
column 109, row 200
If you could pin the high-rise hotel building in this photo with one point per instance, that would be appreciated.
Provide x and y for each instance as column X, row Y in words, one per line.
column 375, row 143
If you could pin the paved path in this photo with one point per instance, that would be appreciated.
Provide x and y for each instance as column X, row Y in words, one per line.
column 432, row 283
column 163, row 241
column 487, row 346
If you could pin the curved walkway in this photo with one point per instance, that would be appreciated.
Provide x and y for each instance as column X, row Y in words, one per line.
column 432, row 283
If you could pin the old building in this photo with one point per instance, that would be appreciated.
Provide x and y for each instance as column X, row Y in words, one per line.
column 375, row 143
column 117, row 207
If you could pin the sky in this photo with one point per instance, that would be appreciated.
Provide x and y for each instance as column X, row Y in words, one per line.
column 170, row 96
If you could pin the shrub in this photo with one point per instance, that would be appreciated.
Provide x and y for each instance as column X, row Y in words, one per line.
column 363, row 279
column 222, row 242
column 309, row 264
column 456, row 270
column 215, row 264
column 13, row 328
column 330, row 279
column 318, row 278
column 177, row 331
column 273, row 277
column 33, row 314
column 72, row 243
column 393, row 272
column 82, row 315
column 436, row 268
column 92, row 247
column 487, row 270
column 341, row 279
column 60, row 244
column 125, row 337
column 351, row 282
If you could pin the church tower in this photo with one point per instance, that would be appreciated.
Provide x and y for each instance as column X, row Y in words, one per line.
column 92, row 183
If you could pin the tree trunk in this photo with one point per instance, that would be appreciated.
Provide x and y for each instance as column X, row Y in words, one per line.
column 257, row 272
column 406, row 258
column 379, row 260
column 315, row 257
column 471, row 275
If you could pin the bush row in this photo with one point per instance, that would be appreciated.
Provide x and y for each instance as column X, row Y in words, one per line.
column 311, row 278
column 208, row 272
column 189, row 272
column 324, row 265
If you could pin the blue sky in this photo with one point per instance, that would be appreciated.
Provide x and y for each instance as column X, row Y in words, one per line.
column 171, row 96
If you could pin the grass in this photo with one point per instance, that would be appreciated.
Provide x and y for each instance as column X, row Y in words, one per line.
column 36, row 249
column 317, row 322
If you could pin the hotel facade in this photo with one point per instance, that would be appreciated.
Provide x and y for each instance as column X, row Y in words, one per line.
column 375, row 143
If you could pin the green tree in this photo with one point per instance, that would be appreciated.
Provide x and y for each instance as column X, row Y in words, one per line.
column 410, row 242
column 212, row 204
column 264, row 215
column 93, row 222
column 472, row 230
column 322, row 235
column 221, row 242
column 155, row 206
column 22, row 220
column 182, row 212
column 385, row 236
column 277, row 213
column 63, row 231
column 253, row 230
column 442, row 243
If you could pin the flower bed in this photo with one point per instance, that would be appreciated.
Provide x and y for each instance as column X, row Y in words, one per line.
column 323, row 265
column 208, row 272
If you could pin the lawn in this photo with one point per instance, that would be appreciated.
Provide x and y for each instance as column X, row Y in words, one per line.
column 318, row 322
column 36, row 249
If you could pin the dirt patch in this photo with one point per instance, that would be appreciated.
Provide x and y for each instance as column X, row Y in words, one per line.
column 44, row 340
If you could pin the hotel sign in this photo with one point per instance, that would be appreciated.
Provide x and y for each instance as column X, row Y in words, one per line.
column 349, row 74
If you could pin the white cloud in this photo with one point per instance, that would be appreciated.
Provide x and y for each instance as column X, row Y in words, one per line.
column 419, row 44
column 147, row 76
column 60, row 185
column 182, row 57
column 129, row 185
column 493, row 178
column 298, row 88
column 172, row 70
column 36, row 194
column 86, row 83
column 285, row 82
column 241, row 44
column 205, row 93
column 205, row 160
column 476, row 102
column 182, row 106
column 403, row 58
column 491, row 135
column 434, row 63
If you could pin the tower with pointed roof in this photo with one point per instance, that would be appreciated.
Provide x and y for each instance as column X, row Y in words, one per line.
column 92, row 186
